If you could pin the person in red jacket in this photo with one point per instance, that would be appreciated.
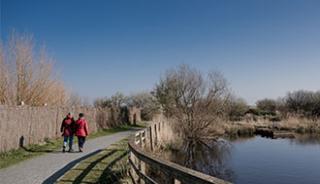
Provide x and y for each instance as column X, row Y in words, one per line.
column 81, row 131
column 67, row 129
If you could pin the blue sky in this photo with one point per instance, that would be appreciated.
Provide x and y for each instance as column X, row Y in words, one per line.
column 264, row 48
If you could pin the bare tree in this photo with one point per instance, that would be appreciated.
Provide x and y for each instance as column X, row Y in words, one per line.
column 28, row 75
column 194, row 101
column 146, row 102
column 118, row 104
column 77, row 100
column 306, row 103
column 4, row 79
column 21, row 58
column 116, row 100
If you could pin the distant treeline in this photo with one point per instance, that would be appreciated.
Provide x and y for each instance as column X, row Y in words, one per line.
column 145, row 101
column 299, row 103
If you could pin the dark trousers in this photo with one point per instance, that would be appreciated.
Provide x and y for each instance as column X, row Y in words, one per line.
column 81, row 141
column 66, row 139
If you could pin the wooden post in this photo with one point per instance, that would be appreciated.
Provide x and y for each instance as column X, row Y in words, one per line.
column 169, row 179
column 163, row 125
column 133, row 172
column 159, row 131
column 155, row 134
column 139, row 167
column 145, row 137
column 143, row 171
column 140, row 139
column 151, row 142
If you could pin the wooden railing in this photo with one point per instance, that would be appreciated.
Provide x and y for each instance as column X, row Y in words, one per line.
column 174, row 173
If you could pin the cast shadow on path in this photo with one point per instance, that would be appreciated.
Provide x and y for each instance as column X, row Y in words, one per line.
column 53, row 178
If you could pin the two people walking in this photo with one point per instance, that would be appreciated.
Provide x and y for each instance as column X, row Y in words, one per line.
column 70, row 127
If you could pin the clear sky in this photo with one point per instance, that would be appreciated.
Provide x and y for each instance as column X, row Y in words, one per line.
column 264, row 48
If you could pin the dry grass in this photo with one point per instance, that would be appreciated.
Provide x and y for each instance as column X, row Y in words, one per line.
column 246, row 128
column 293, row 124
column 301, row 125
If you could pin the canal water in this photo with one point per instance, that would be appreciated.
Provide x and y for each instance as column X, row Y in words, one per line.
column 259, row 160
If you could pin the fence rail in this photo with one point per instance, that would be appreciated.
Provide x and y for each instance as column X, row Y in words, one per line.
column 174, row 173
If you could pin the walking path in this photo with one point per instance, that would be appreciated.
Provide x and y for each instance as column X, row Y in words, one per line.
column 48, row 168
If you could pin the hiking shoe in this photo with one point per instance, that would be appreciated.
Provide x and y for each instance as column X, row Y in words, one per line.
column 71, row 150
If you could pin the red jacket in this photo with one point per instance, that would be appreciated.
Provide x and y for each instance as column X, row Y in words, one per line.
column 82, row 128
column 67, row 126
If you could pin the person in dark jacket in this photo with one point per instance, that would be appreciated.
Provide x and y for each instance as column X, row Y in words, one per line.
column 68, row 129
column 82, row 131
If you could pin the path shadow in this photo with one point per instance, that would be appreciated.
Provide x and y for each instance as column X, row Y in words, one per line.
column 110, row 176
column 40, row 150
column 84, row 173
column 53, row 178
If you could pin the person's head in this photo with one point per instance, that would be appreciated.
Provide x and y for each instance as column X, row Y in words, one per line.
column 70, row 115
column 81, row 115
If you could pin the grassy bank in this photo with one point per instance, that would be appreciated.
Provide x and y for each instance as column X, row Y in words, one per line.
column 50, row 145
column 247, row 128
column 108, row 166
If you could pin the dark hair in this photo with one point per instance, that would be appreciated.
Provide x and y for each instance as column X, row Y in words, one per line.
column 81, row 115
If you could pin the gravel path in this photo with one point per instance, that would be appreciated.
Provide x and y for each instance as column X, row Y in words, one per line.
column 49, row 167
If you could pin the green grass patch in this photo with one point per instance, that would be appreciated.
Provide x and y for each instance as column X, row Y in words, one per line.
column 30, row 151
column 51, row 145
column 108, row 166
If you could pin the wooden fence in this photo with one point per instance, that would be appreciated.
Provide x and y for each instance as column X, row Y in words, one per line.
column 174, row 173
column 24, row 125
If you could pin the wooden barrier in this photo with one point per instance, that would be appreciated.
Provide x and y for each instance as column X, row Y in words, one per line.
column 174, row 173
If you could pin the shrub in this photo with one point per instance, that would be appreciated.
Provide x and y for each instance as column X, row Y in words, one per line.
column 267, row 106
column 237, row 108
column 306, row 103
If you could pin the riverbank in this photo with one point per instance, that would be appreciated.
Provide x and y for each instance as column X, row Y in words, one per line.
column 282, row 128
column 248, row 154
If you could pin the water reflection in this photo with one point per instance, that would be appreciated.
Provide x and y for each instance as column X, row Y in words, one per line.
column 307, row 139
column 211, row 158
column 258, row 160
column 238, row 139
